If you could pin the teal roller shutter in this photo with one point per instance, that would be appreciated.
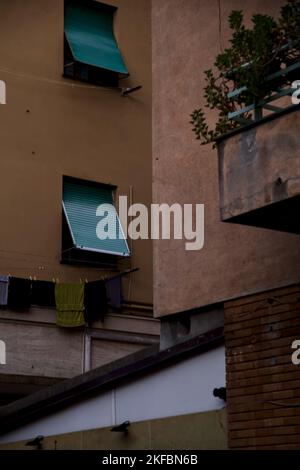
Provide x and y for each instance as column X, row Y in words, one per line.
column 80, row 203
column 89, row 31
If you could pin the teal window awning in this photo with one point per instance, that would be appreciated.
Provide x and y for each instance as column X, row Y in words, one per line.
column 90, row 35
column 80, row 203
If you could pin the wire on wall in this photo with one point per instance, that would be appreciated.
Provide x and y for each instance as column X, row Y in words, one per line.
column 58, row 82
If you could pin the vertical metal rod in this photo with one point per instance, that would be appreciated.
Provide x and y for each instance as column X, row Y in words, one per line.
column 87, row 351
column 257, row 112
column 131, row 245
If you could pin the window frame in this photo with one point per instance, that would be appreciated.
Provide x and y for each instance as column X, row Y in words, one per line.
column 72, row 254
column 79, row 71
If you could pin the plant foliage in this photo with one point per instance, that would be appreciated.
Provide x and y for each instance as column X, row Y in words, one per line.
column 253, row 55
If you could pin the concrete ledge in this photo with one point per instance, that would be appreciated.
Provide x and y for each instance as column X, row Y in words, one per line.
column 259, row 174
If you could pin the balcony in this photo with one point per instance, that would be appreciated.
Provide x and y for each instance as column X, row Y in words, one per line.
column 259, row 166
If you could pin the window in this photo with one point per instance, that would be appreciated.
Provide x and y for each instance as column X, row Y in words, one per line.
column 91, row 52
column 80, row 220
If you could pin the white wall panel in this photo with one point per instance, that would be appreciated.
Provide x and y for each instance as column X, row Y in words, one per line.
column 179, row 389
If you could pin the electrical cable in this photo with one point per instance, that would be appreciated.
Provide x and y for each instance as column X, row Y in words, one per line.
column 58, row 82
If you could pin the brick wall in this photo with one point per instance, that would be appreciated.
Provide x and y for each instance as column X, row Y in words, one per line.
column 259, row 331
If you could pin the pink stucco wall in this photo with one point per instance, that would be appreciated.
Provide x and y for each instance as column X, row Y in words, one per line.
column 236, row 260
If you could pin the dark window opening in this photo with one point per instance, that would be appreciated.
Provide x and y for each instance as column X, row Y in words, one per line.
column 87, row 73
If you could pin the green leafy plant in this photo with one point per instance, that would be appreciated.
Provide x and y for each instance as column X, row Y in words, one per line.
column 253, row 55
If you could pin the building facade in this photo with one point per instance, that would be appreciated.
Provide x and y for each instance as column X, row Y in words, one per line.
column 236, row 260
column 244, row 281
column 247, row 274
column 55, row 125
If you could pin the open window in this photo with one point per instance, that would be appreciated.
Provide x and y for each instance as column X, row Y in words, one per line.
column 80, row 242
column 91, row 52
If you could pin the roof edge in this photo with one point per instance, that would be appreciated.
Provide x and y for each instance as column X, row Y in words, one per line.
column 69, row 391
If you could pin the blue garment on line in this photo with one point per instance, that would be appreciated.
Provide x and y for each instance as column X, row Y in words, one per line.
column 4, row 281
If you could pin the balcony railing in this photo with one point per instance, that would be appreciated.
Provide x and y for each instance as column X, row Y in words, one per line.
column 258, row 109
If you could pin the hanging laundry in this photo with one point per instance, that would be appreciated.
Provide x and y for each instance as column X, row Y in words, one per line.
column 95, row 301
column 43, row 293
column 114, row 292
column 4, row 280
column 69, row 300
column 19, row 293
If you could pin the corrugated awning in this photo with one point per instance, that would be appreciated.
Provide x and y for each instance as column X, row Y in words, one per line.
column 89, row 32
column 80, row 203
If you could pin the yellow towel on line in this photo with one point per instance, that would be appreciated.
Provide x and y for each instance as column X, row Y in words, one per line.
column 69, row 300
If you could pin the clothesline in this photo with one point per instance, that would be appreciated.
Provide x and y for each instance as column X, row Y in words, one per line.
column 76, row 303
column 103, row 278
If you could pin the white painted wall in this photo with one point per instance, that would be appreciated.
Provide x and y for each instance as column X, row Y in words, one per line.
column 179, row 389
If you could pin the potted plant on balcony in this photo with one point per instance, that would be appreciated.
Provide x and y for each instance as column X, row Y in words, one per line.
column 258, row 68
